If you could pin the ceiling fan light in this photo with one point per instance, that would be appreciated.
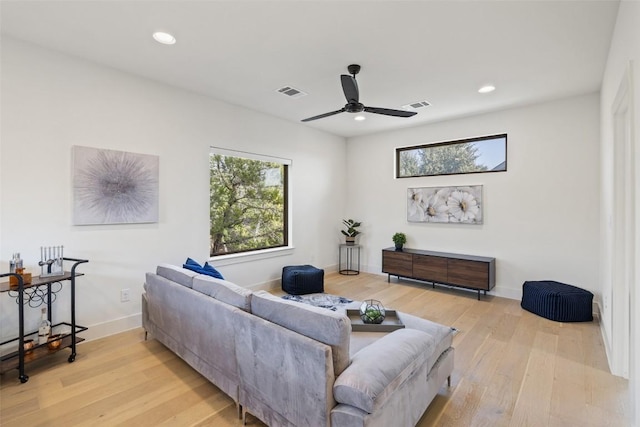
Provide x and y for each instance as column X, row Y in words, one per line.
column 359, row 118
column 487, row 89
column 164, row 38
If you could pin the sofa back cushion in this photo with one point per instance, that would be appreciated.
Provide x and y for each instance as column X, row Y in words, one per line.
column 176, row 274
column 320, row 324
column 223, row 291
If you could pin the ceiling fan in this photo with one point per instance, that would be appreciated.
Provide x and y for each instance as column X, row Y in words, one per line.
column 350, row 89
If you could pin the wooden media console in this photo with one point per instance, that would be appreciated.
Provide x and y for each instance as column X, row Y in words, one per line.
column 465, row 271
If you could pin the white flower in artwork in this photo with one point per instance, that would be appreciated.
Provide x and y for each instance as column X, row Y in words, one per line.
column 435, row 209
column 463, row 206
column 445, row 204
column 415, row 205
column 476, row 191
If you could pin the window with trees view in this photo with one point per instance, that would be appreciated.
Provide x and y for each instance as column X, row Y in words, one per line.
column 483, row 154
column 248, row 202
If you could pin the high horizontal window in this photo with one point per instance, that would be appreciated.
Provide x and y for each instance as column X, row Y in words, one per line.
column 473, row 155
column 248, row 202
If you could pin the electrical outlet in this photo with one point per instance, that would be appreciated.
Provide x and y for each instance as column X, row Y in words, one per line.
column 124, row 295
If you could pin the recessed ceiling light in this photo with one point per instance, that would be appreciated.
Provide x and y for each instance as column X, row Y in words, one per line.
column 359, row 118
column 487, row 89
column 164, row 38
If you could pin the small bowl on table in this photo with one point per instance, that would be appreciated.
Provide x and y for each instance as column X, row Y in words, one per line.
column 29, row 345
column 54, row 342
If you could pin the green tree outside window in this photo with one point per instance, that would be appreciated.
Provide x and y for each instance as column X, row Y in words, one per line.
column 482, row 154
column 247, row 204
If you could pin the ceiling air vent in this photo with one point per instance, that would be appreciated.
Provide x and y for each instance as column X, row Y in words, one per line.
column 416, row 105
column 291, row 92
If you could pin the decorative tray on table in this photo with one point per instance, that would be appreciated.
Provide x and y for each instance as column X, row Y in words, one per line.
column 391, row 322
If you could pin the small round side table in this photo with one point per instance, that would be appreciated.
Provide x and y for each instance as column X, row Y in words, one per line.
column 351, row 264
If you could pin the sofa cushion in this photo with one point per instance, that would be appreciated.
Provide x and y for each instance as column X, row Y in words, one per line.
column 176, row 274
column 210, row 270
column 322, row 325
column 206, row 269
column 224, row 291
column 381, row 368
column 191, row 264
column 443, row 335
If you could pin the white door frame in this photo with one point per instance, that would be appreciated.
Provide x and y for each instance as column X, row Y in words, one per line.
column 624, row 227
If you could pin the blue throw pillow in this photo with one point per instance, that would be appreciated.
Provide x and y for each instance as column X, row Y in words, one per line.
column 209, row 270
column 192, row 265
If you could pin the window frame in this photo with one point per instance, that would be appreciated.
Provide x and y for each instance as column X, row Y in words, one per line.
column 267, row 252
column 446, row 143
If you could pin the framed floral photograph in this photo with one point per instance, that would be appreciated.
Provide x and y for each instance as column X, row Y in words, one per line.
column 462, row 205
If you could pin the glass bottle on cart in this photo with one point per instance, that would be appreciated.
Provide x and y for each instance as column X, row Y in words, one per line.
column 45, row 328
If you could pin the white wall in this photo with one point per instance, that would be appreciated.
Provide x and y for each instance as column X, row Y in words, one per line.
column 51, row 102
column 625, row 50
column 540, row 217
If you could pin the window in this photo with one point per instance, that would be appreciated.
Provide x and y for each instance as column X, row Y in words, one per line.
column 248, row 202
column 483, row 154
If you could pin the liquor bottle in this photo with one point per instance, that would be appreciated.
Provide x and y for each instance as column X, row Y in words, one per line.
column 12, row 264
column 19, row 266
column 45, row 328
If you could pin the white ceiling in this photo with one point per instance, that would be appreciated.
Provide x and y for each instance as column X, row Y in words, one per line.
column 241, row 52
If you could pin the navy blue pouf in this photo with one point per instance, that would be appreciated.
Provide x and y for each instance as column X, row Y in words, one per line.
column 557, row 301
column 302, row 279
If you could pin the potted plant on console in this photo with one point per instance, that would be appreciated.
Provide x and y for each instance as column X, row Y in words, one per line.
column 399, row 239
column 351, row 232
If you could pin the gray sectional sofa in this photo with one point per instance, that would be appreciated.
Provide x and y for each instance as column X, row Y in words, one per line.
column 291, row 364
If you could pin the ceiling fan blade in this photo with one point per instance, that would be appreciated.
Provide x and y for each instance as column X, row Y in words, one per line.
column 390, row 112
column 321, row 116
column 350, row 88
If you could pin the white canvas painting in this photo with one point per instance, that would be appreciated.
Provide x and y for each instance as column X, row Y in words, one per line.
column 114, row 187
column 461, row 205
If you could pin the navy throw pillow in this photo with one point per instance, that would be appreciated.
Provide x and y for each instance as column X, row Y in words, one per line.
column 209, row 270
column 192, row 265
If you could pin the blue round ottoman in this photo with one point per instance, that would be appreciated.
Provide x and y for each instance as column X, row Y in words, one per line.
column 557, row 301
column 302, row 279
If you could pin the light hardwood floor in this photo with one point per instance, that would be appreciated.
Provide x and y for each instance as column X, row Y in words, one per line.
column 512, row 368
